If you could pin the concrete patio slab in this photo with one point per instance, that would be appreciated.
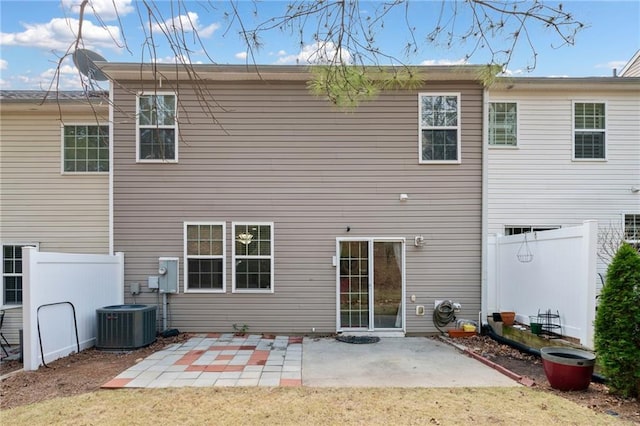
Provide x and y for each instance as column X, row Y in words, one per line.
column 393, row 362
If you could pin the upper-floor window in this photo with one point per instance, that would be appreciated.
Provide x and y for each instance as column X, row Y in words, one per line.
column 204, row 255
column 503, row 124
column 439, row 116
column 85, row 149
column 157, row 127
column 589, row 131
column 252, row 257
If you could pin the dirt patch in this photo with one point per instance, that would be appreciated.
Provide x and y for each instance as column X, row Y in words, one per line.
column 90, row 369
column 72, row 375
column 596, row 397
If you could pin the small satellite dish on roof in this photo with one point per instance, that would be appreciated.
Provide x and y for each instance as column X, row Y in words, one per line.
column 85, row 60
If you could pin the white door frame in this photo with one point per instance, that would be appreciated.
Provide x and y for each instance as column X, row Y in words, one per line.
column 370, row 241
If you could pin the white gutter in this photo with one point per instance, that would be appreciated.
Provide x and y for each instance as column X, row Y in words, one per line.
column 111, row 166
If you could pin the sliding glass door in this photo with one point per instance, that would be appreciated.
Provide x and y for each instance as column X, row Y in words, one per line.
column 370, row 284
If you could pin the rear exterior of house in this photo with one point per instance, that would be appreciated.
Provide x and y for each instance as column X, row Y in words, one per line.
column 286, row 215
column 54, row 183
column 562, row 151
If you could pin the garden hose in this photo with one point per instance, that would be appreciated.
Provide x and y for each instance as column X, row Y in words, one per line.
column 443, row 314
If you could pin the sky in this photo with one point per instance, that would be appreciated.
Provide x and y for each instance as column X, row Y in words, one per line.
column 35, row 35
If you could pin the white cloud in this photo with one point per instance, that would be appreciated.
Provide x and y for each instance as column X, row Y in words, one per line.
column 510, row 73
column 182, row 59
column 60, row 33
column 68, row 79
column 241, row 55
column 185, row 24
column 3, row 64
column 317, row 53
column 612, row 64
column 444, row 62
column 107, row 10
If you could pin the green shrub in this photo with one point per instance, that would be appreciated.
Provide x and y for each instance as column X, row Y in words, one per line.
column 617, row 326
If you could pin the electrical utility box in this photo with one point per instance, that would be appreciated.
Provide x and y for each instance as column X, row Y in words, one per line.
column 168, row 274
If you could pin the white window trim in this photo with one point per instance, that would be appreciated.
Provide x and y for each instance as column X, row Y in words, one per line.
column 175, row 126
column 233, row 257
column 458, row 128
column 62, row 171
column 370, row 241
column 534, row 228
column 624, row 226
column 573, row 131
column 506, row 101
column 11, row 243
column 187, row 257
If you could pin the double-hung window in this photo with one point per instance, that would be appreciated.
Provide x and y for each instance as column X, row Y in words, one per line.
column 252, row 257
column 519, row 229
column 503, row 124
column 85, row 148
column 439, row 118
column 204, row 254
column 632, row 229
column 157, row 127
column 589, row 131
column 12, row 273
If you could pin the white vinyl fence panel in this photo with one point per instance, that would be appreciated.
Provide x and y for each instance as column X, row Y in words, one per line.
column 561, row 277
column 54, row 286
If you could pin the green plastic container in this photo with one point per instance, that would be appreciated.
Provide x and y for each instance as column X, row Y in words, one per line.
column 535, row 324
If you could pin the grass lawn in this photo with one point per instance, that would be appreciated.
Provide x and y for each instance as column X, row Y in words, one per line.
column 309, row 406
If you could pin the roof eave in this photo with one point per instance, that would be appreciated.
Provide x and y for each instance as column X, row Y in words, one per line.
column 566, row 83
column 199, row 72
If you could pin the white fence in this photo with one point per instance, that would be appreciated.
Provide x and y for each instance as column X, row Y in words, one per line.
column 560, row 277
column 54, row 286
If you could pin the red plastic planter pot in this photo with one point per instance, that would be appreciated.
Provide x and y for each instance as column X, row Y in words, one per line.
column 566, row 368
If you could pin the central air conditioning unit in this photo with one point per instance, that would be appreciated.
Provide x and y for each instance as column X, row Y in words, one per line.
column 125, row 327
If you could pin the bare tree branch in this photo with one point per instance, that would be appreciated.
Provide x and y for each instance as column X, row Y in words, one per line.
column 342, row 34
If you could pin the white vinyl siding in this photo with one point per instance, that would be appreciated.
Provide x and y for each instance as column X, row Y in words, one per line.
column 157, row 127
column 589, row 132
column 204, row 257
column 540, row 184
column 439, row 118
column 252, row 260
column 503, row 124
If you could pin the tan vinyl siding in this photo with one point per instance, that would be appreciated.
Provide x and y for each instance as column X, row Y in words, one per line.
column 62, row 213
column 632, row 69
column 539, row 184
column 280, row 155
column 66, row 213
